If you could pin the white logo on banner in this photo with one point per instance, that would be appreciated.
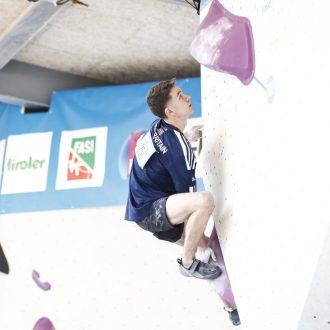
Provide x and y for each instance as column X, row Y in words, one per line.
column 2, row 154
column 26, row 163
column 82, row 158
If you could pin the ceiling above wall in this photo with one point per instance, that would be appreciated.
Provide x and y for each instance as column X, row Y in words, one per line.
column 115, row 41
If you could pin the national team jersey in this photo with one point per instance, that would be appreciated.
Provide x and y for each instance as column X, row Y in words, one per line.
column 164, row 164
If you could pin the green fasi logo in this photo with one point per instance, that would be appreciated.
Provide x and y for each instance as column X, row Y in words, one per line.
column 81, row 158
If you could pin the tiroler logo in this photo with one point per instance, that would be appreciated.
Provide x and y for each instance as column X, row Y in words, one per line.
column 81, row 158
column 28, row 164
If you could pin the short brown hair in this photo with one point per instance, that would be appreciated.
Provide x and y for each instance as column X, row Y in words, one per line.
column 158, row 97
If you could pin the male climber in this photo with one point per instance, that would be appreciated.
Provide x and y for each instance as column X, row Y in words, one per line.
column 162, row 187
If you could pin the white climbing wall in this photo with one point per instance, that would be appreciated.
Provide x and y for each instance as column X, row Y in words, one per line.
column 316, row 313
column 268, row 163
column 105, row 273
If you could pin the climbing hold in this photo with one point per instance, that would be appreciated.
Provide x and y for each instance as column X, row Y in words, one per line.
column 42, row 285
column 4, row 267
column 44, row 324
column 224, row 42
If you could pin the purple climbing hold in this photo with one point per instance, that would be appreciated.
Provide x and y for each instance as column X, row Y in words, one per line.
column 44, row 324
column 224, row 42
column 42, row 285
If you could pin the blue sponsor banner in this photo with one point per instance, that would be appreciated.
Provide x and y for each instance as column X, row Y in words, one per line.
column 77, row 154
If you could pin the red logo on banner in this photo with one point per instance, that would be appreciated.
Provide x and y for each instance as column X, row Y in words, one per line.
column 77, row 170
column 131, row 151
column 81, row 158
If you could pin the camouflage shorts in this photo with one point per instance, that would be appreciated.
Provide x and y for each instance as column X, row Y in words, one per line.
column 158, row 223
